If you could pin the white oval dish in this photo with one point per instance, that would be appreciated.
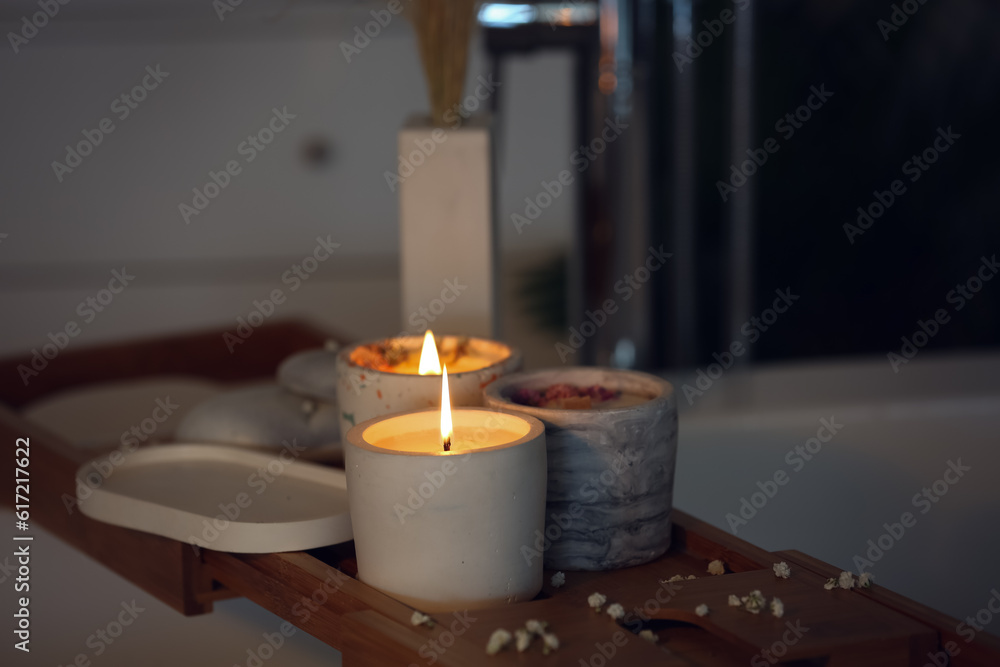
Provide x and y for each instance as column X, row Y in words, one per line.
column 219, row 498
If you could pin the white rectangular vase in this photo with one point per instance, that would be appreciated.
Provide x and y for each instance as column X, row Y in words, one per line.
column 447, row 234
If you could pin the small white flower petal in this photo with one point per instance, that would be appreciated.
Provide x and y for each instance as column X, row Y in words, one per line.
column 676, row 577
column 865, row 580
column 846, row 580
column 830, row 584
column 781, row 570
column 558, row 579
column 498, row 641
column 616, row 611
column 421, row 619
column 716, row 567
column 734, row 601
column 691, row 576
column 701, row 610
column 522, row 639
column 596, row 601
column 777, row 607
column 549, row 643
column 536, row 627
column 649, row 636
column 754, row 602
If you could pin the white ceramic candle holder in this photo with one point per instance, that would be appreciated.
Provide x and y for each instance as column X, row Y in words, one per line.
column 611, row 470
column 447, row 531
column 363, row 393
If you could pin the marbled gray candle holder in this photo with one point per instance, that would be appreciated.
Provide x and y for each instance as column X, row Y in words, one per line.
column 610, row 470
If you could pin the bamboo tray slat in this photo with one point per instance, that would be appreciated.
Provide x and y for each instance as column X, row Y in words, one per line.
column 318, row 590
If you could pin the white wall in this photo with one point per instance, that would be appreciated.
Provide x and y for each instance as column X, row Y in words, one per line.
column 120, row 207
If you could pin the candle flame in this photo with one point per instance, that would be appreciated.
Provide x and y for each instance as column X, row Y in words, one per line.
column 446, row 429
column 430, row 364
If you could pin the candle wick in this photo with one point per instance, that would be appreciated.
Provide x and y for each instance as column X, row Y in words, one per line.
column 447, row 444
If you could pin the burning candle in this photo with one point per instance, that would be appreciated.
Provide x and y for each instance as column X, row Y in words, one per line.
column 403, row 374
column 444, row 503
column 446, row 427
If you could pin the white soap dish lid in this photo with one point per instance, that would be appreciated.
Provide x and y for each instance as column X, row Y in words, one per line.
column 219, row 498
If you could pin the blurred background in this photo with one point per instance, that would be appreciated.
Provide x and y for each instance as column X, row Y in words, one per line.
column 691, row 113
column 757, row 143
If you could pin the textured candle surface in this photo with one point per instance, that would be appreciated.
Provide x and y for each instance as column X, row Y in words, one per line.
column 610, row 467
column 429, row 441
column 460, row 364
column 420, row 433
column 622, row 401
column 402, row 355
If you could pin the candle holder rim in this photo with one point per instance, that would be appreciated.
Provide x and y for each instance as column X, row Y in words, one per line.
column 513, row 356
column 495, row 390
column 355, row 436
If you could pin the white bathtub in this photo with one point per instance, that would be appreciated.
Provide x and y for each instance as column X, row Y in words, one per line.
column 899, row 432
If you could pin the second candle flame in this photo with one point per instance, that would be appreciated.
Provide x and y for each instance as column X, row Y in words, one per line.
column 446, row 429
column 430, row 364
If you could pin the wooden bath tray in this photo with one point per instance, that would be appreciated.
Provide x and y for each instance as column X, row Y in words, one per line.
column 318, row 591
